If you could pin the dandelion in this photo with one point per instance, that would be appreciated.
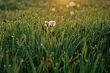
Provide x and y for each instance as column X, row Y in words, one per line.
column 53, row 9
column 46, row 24
column 72, row 4
column 49, row 24
column 52, row 23
column 72, row 13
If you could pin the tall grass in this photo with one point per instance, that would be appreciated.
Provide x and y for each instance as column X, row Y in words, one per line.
column 77, row 44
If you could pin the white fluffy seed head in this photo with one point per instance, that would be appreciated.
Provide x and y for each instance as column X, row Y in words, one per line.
column 72, row 4
column 52, row 23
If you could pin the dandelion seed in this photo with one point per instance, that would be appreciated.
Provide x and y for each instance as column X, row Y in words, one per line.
column 72, row 13
column 52, row 23
column 72, row 4
column 53, row 9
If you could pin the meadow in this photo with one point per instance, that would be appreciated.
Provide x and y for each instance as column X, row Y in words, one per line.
column 78, row 43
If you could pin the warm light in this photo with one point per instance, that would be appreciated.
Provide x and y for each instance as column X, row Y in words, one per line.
column 62, row 1
column 53, row 9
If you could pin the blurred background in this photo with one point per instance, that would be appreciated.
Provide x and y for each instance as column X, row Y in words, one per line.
column 22, row 4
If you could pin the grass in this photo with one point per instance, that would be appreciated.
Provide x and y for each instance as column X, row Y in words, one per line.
column 79, row 43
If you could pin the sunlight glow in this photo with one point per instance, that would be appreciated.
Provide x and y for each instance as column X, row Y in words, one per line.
column 62, row 1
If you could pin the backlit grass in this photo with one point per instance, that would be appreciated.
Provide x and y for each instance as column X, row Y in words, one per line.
column 79, row 43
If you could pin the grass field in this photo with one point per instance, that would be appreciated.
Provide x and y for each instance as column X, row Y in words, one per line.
column 79, row 43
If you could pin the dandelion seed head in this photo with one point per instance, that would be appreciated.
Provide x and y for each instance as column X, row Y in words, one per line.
column 52, row 23
column 72, row 4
